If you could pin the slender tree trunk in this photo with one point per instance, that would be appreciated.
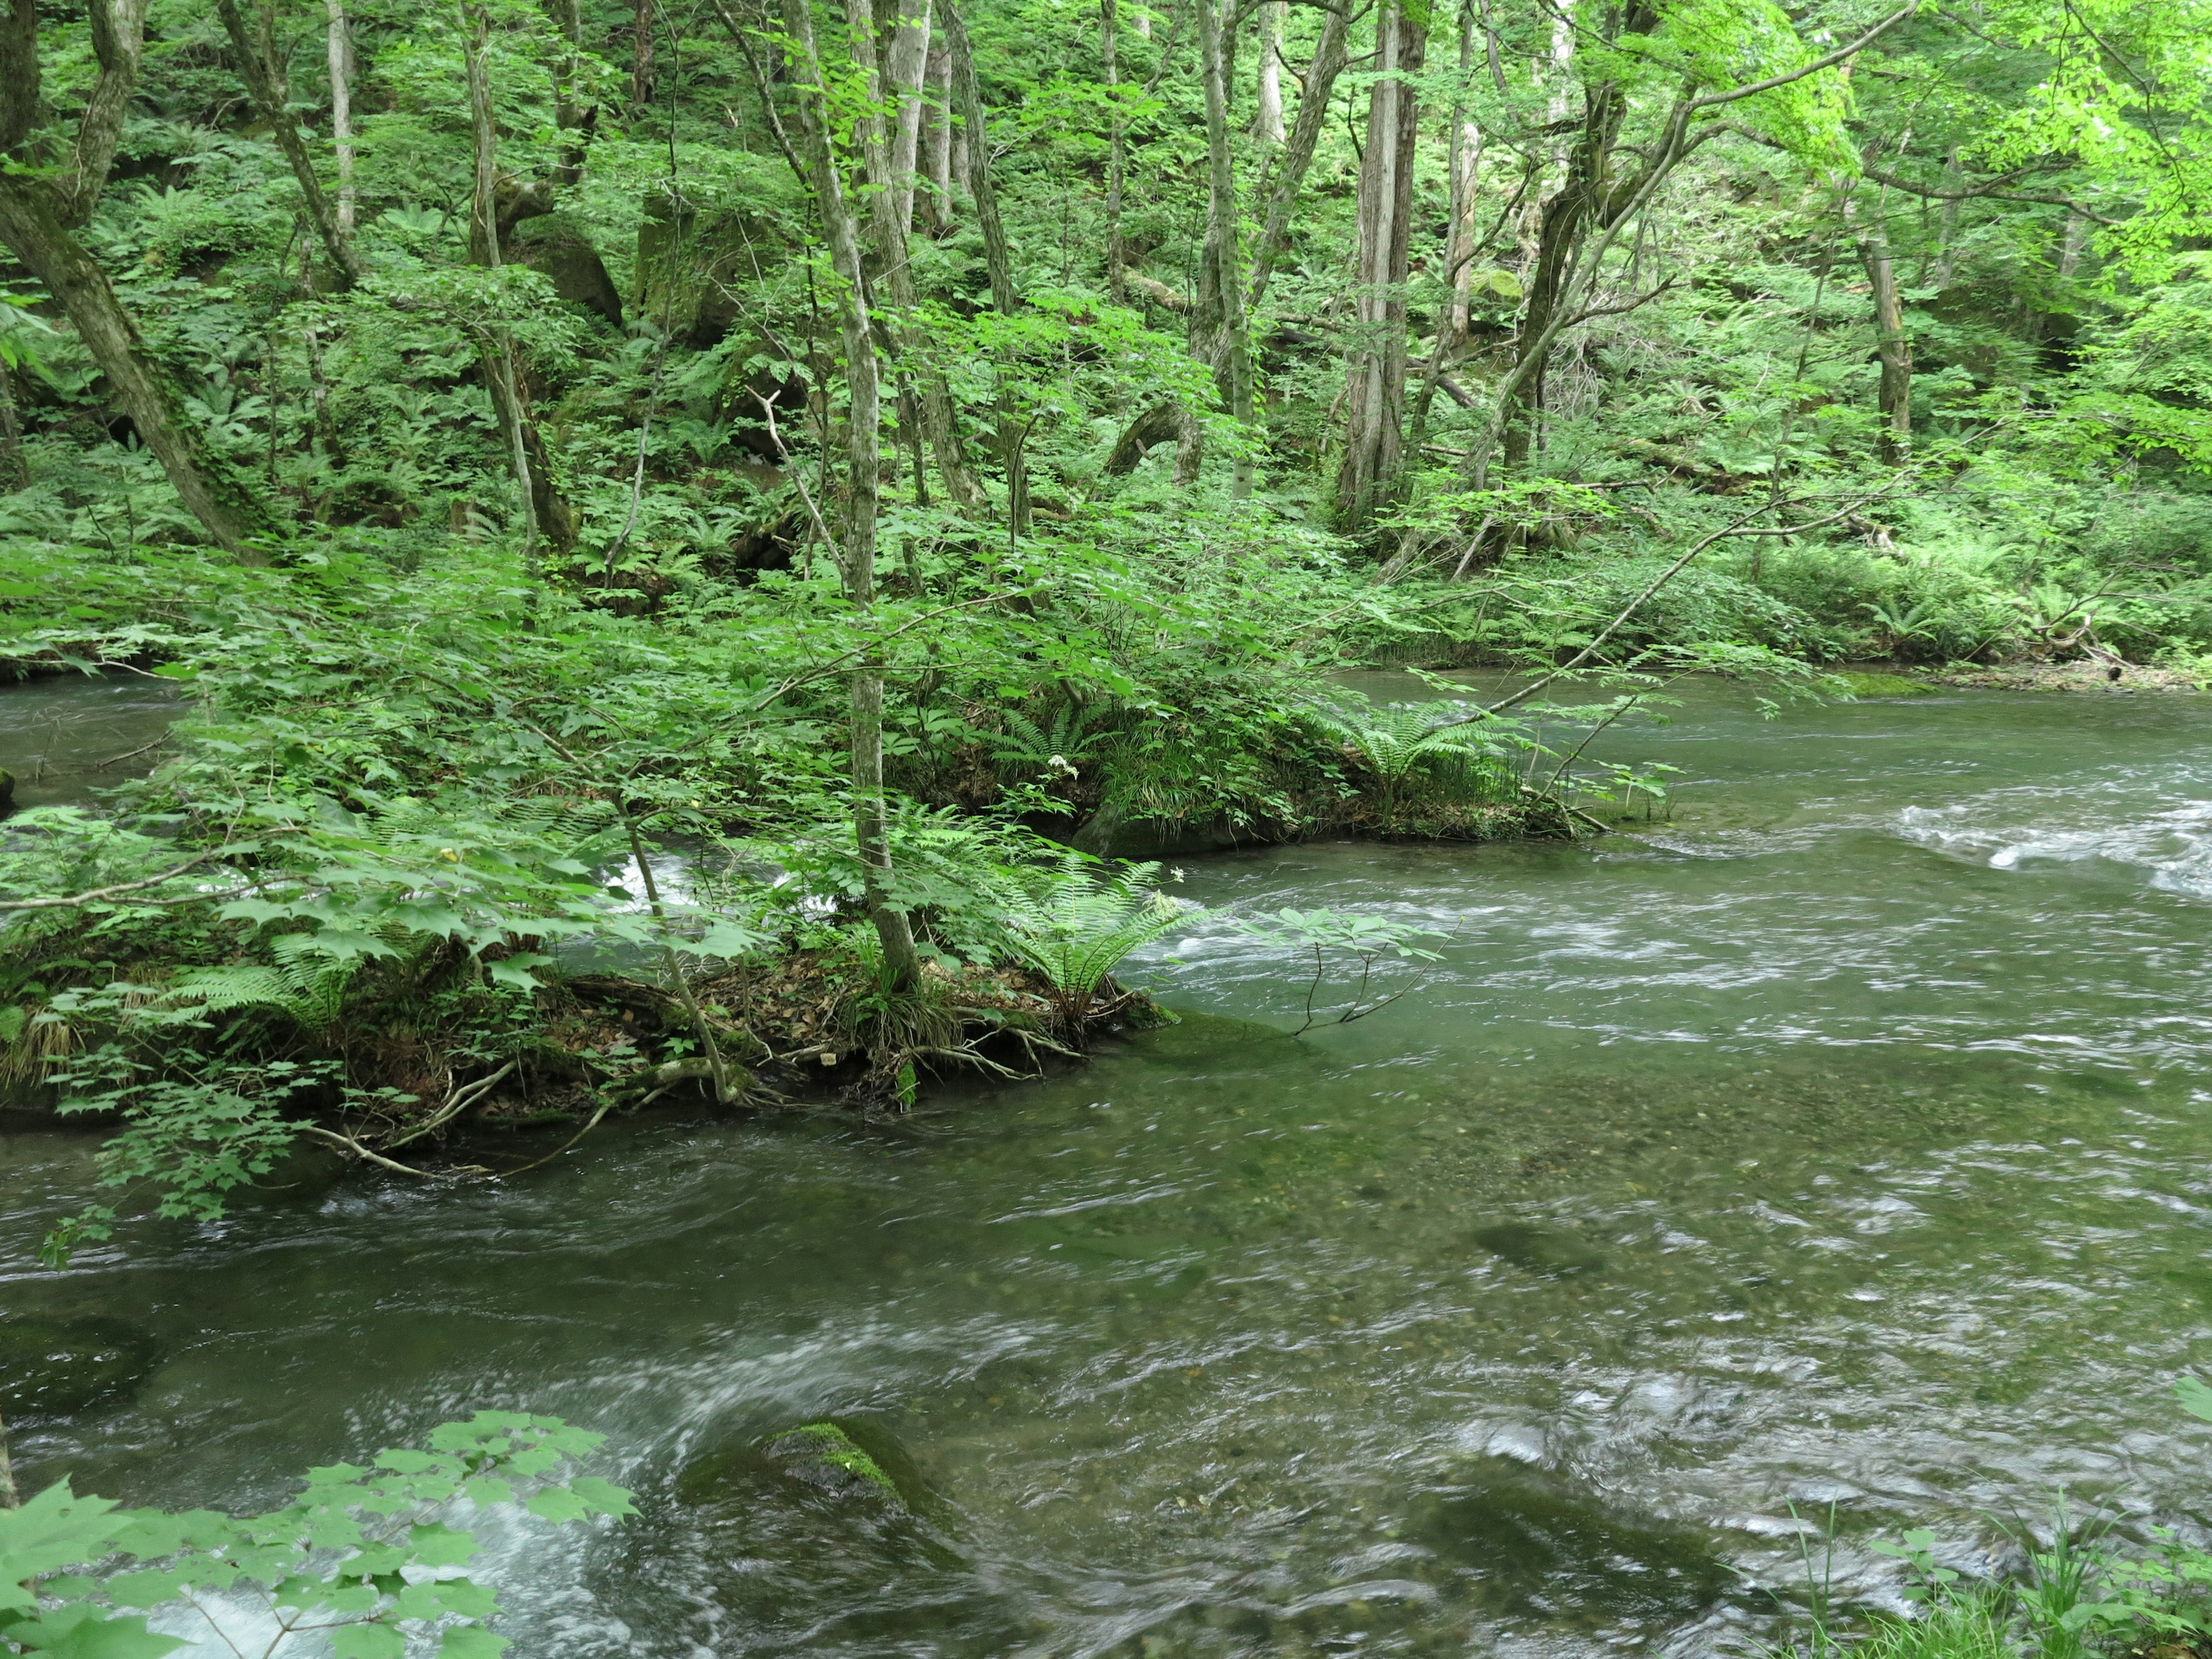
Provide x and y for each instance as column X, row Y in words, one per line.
column 8, row 1500
column 937, row 146
column 997, row 258
column 856, row 556
column 545, row 515
column 572, row 118
column 1117, row 287
column 888, row 238
column 1946, row 233
column 15, row 467
column 341, row 62
column 1235, row 363
column 1267, row 124
column 118, row 44
column 907, row 64
column 264, row 81
column 1893, row 343
column 1377, row 407
column 136, row 385
column 1459, row 226
column 641, row 58
column 1328, row 61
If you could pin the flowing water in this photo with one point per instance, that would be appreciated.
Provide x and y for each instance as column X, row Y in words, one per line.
column 1839, row 1143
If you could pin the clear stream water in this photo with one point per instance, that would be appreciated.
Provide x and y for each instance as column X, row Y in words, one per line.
column 1839, row 1142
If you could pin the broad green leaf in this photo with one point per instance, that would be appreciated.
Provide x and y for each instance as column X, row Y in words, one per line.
column 367, row 1641
column 471, row 1642
column 439, row 1546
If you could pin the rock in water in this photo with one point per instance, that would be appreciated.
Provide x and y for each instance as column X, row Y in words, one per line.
column 823, row 1455
column 1548, row 1250
column 7, row 790
column 1536, row 1542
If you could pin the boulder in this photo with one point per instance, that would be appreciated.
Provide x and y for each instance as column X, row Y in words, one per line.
column 556, row 245
column 692, row 262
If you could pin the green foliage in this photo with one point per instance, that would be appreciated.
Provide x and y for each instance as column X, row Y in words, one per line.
column 1074, row 920
column 1332, row 937
column 363, row 1559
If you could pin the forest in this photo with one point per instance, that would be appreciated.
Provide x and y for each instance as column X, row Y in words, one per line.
column 720, row 553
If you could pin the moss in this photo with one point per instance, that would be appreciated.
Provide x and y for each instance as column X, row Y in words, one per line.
column 1883, row 686
column 830, row 1447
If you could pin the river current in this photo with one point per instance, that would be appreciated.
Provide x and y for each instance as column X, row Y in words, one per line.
column 1836, row 1149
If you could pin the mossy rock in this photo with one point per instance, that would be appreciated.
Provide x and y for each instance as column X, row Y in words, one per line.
column 823, row 1455
column 53, row 1368
column 693, row 263
column 1883, row 686
column 556, row 246
column 7, row 790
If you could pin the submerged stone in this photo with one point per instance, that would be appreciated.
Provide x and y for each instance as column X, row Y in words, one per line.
column 1549, row 1250
column 1539, row 1544
column 58, row 1367
column 822, row 1456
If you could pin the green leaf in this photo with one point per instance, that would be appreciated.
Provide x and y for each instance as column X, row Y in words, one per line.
column 557, row 1503
column 55, row 1530
column 82, row 1632
column 367, row 1641
column 471, row 1642
column 2194, row 1397
column 518, row 970
column 602, row 1497
column 439, row 1546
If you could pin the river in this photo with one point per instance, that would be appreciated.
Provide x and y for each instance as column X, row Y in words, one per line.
column 1839, row 1143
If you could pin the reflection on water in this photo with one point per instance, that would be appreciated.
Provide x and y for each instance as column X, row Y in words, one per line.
column 1788, row 1155
column 67, row 735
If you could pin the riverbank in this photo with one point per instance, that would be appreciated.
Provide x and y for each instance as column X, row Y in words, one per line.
column 1833, row 1142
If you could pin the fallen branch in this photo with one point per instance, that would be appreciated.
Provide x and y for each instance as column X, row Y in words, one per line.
column 99, row 893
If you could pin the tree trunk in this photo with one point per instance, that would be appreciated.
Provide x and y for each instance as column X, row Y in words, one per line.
column 1117, row 287
column 1267, row 124
column 640, row 56
column 340, row 46
column 35, row 221
column 937, row 146
column 572, row 118
column 997, row 256
column 856, row 556
column 888, row 237
column 1893, row 343
column 906, row 64
column 1328, row 61
column 119, row 42
column 545, row 514
column 264, row 81
column 1947, row 236
column 1459, row 228
column 1376, row 403
column 31, row 228
column 1235, row 362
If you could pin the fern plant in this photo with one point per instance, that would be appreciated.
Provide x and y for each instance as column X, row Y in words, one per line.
column 307, row 987
column 1402, row 744
column 1075, row 921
